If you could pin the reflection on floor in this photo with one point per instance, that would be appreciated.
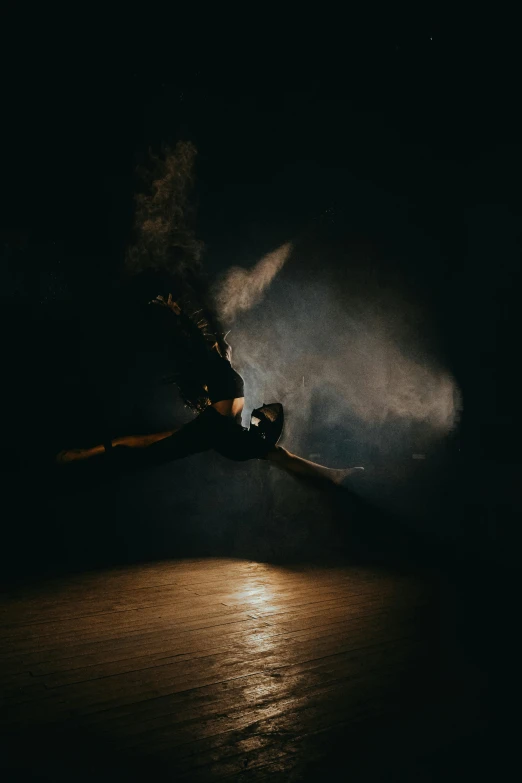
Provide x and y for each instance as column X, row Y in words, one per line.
column 205, row 669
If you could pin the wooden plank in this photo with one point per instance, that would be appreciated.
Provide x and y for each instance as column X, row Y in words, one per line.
column 148, row 637
column 91, row 695
column 161, row 649
column 160, row 644
column 106, row 598
column 98, row 608
column 286, row 682
column 82, row 670
column 322, row 707
column 74, row 621
column 169, row 622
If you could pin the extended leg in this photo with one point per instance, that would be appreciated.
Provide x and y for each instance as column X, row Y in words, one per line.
column 142, row 441
column 136, row 451
column 131, row 441
column 303, row 468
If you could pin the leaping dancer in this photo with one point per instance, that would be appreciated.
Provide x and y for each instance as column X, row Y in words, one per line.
column 205, row 377
column 211, row 386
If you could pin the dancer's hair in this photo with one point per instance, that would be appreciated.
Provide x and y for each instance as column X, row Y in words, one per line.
column 165, row 257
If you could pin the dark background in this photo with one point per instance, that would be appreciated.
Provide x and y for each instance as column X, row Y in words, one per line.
column 396, row 142
column 405, row 141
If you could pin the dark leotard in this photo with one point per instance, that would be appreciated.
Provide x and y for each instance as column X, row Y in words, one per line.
column 211, row 430
column 223, row 382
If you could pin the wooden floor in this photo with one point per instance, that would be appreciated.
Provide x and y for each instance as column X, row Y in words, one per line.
column 212, row 669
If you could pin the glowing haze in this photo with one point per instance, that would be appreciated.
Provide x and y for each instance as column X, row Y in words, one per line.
column 240, row 289
column 337, row 360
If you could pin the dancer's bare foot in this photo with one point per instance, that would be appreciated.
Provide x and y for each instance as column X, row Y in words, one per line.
column 340, row 475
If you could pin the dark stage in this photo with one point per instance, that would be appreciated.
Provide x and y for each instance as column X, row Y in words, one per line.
column 350, row 208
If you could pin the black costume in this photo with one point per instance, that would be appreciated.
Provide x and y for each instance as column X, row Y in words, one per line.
column 204, row 375
column 223, row 382
column 224, row 434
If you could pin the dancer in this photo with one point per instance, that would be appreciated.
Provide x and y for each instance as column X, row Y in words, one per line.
column 214, row 389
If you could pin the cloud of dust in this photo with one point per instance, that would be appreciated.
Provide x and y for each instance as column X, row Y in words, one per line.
column 341, row 364
column 240, row 289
